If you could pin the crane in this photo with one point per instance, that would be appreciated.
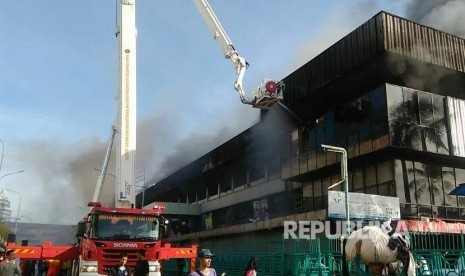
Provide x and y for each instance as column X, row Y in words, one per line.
column 268, row 92
column 126, row 105
column 99, row 241
column 107, row 231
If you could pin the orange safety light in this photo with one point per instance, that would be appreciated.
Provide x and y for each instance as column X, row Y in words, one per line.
column 158, row 208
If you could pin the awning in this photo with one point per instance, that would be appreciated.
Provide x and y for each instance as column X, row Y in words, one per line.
column 459, row 190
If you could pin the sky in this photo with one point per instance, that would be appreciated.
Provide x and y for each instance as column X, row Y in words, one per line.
column 58, row 78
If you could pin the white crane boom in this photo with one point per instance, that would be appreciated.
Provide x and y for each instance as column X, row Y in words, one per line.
column 126, row 105
column 266, row 95
column 268, row 92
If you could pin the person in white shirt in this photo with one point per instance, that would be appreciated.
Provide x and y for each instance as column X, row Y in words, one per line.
column 9, row 267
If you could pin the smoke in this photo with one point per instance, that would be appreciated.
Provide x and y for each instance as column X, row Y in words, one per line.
column 190, row 149
column 83, row 171
column 267, row 135
column 444, row 15
column 60, row 177
column 418, row 75
column 339, row 24
column 64, row 178
column 162, row 150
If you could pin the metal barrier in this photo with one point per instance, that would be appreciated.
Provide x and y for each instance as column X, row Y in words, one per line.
column 439, row 253
column 435, row 254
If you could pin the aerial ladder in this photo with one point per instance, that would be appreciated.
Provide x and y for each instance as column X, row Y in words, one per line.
column 268, row 92
column 108, row 231
column 90, row 255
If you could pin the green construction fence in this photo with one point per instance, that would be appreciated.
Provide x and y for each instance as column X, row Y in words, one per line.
column 435, row 254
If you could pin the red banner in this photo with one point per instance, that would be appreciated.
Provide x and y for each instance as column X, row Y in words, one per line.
column 437, row 226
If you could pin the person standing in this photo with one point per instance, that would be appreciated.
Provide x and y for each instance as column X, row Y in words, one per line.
column 42, row 268
column 142, row 265
column 251, row 269
column 205, row 259
column 181, row 265
column 121, row 269
column 9, row 267
column 65, row 267
column 29, row 268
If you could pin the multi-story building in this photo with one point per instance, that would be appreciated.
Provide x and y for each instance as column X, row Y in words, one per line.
column 5, row 211
column 392, row 93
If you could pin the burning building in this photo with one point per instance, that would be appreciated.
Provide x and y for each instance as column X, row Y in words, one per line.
column 392, row 92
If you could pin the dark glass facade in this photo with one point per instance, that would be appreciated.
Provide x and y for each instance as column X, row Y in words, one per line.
column 361, row 126
column 376, row 178
column 417, row 120
column 403, row 132
column 425, row 188
column 393, row 136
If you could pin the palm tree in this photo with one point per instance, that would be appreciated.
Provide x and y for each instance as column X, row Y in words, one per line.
column 407, row 132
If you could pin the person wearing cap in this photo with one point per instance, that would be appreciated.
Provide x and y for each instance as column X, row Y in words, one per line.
column 205, row 258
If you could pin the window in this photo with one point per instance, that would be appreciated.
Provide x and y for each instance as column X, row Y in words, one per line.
column 387, row 189
column 422, row 184
column 225, row 184
column 240, row 176
column 317, row 194
column 428, row 139
column 370, row 175
column 256, row 170
column 326, row 182
column 378, row 109
column 457, row 125
column 212, row 188
column 384, row 172
column 440, row 124
column 411, row 105
column 411, row 184
column 437, row 190
column 425, row 105
column 397, row 115
column 418, row 121
column 335, row 179
column 357, row 180
column 307, row 189
column 395, row 103
column 448, row 177
column 371, row 189
column 460, row 179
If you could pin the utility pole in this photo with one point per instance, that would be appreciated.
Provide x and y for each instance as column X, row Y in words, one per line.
column 3, row 152
column 345, row 177
column 19, row 208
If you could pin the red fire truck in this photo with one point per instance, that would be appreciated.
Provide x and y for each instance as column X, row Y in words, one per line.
column 106, row 232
